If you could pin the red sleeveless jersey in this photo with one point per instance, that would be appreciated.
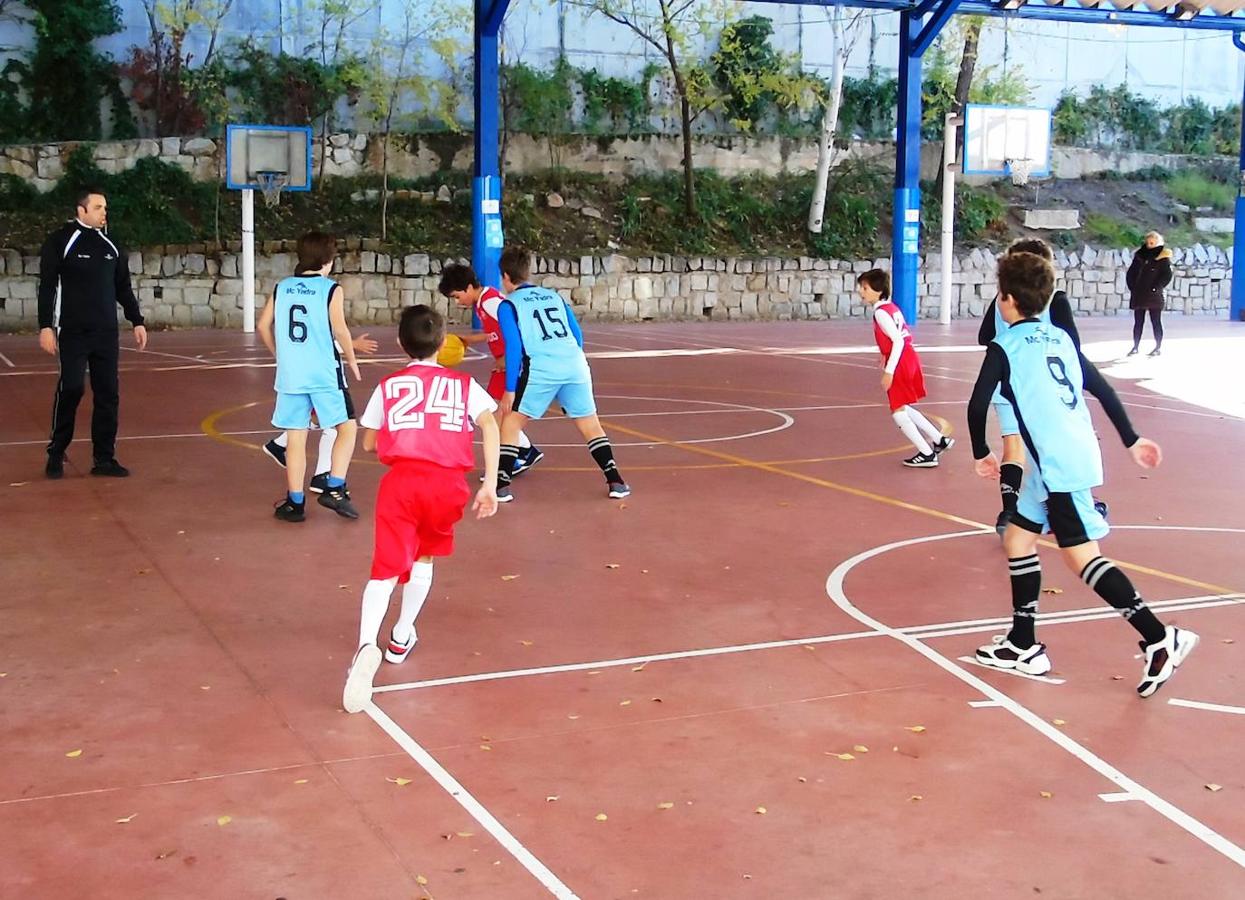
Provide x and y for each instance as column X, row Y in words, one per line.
column 486, row 312
column 885, row 344
column 425, row 418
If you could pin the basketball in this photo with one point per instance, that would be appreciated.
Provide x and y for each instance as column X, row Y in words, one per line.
column 452, row 351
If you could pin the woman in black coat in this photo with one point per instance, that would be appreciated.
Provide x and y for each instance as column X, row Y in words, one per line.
column 1150, row 272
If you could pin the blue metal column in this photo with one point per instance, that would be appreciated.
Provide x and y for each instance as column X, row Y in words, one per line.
column 906, row 230
column 486, row 228
column 1237, row 311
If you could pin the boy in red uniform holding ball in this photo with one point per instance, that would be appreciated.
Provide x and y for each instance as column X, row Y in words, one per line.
column 419, row 423
column 901, row 371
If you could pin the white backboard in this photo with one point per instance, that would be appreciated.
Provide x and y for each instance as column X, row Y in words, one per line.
column 251, row 149
column 995, row 134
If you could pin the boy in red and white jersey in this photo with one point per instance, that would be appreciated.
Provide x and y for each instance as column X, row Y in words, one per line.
column 902, row 378
column 419, row 423
column 460, row 284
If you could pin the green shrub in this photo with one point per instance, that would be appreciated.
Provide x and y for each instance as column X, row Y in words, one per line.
column 1102, row 229
column 1194, row 189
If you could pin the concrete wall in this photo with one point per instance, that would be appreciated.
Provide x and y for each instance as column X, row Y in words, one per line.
column 191, row 286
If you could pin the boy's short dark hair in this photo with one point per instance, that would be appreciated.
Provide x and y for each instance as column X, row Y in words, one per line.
column 83, row 196
column 421, row 331
column 457, row 277
column 1036, row 246
column 516, row 263
column 316, row 250
column 877, row 279
column 1029, row 279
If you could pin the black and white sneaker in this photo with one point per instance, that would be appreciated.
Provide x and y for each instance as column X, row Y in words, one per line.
column 922, row 461
column 618, row 490
column 944, row 444
column 338, row 500
column 289, row 511
column 275, row 452
column 1164, row 658
column 530, row 457
column 319, row 483
column 358, row 691
column 503, row 494
column 397, row 652
column 1003, row 654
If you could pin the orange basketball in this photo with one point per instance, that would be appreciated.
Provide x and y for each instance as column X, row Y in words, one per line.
column 452, row 351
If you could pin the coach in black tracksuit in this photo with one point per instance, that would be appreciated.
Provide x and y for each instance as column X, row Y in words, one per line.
column 83, row 276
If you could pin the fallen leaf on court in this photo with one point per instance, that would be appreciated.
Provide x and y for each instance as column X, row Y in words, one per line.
column 611, row 565
column 343, row 587
column 625, row 703
column 783, row 503
column 421, row 880
column 572, row 717
column 126, row 820
column 205, row 687
column 181, row 532
column 1117, row 677
column 485, row 747
column 1050, row 590
column 551, row 798
column 74, row 754
column 802, row 780
column 843, row 756
column 399, row 781
column 300, row 781
column 639, row 668
column 1046, row 795
column 223, row 820
column 916, row 729
column 526, row 643
column 465, row 834
column 6, row 674
column 747, row 878
column 1225, row 640
column 665, row 805
column 761, row 810
column 644, row 571
column 861, row 748
column 1214, row 788
column 809, row 647
column 1059, row 722
column 447, row 837
column 654, row 699
column 595, row 672
column 18, row 483
column 509, row 577
column 165, row 854
column 622, row 506
column 915, row 797
column 601, row 817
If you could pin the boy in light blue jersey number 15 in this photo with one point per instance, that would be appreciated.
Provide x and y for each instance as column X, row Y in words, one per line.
column 545, row 362
column 1040, row 373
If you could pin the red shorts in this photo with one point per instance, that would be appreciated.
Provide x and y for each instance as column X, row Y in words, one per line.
column 417, row 507
column 908, row 385
column 497, row 385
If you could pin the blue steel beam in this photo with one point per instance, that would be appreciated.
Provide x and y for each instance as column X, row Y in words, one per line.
column 906, row 225
column 935, row 24
column 1237, row 309
column 486, row 224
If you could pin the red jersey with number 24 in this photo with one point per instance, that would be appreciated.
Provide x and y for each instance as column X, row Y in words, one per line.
column 425, row 417
column 908, row 382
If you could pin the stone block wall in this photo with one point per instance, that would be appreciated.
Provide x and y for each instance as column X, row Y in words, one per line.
column 192, row 286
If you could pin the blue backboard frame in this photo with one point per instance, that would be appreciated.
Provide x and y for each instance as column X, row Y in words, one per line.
column 1036, row 171
column 255, row 186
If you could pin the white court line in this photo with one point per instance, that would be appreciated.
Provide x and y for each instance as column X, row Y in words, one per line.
column 919, row 632
column 1122, row 797
column 1045, row 679
column 8, row 362
column 194, row 359
column 473, row 806
column 1173, row 813
column 1210, row 707
column 983, row 704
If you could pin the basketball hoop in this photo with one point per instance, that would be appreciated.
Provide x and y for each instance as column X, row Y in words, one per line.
column 1019, row 170
column 271, row 185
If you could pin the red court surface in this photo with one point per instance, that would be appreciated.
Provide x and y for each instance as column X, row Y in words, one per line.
column 743, row 681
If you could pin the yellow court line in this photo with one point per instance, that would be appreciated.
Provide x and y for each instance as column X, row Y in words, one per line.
column 901, row 504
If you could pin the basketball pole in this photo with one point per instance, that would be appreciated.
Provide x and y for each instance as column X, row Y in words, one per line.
column 248, row 260
column 949, row 169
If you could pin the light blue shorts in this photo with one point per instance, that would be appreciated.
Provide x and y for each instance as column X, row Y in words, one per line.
column 294, row 410
column 1006, row 414
column 1071, row 517
column 575, row 399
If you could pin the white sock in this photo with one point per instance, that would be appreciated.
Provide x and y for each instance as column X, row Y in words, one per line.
column 375, row 605
column 414, row 593
column 282, row 439
column 524, row 440
column 928, row 428
column 324, row 457
column 909, row 429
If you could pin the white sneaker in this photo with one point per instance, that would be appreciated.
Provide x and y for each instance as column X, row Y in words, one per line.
column 944, row 444
column 1164, row 658
column 358, row 691
column 1003, row 654
column 397, row 652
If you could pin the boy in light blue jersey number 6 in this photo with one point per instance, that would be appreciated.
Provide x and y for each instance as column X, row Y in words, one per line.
column 545, row 362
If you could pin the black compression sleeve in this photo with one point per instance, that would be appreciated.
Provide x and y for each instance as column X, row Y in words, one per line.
column 993, row 371
column 1098, row 386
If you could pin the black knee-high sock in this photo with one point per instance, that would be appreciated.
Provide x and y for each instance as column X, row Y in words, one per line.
column 1010, row 476
column 1139, row 324
column 603, row 453
column 1026, row 572
column 505, row 463
column 1112, row 585
column 1156, row 323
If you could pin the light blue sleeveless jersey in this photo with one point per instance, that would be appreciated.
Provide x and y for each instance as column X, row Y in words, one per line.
column 1000, row 326
column 548, row 341
column 307, row 360
column 1044, row 385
